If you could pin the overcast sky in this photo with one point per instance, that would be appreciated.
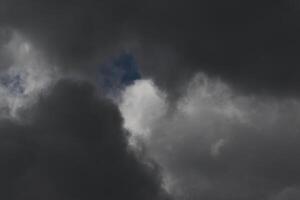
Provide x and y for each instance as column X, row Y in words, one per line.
column 149, row 100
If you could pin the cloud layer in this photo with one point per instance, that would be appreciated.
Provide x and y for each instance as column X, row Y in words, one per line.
column 252, row 45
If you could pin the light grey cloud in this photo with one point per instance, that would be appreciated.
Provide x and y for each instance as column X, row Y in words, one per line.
column 218, row 144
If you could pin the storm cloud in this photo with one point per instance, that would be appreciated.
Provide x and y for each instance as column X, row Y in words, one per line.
column 229, row 131
column 71, row 145
column 252, row 45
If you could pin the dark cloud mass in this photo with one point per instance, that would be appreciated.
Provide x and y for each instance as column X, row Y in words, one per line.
column 72, row 146
column 253, row 45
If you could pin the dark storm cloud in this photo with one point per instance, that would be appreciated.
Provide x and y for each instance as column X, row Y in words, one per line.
column 72, row 146
column 254, row 45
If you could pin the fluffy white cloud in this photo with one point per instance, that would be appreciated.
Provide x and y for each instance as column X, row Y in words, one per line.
column 142, row 106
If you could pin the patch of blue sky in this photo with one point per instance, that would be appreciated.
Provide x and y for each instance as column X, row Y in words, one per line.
column 13, row 83
column 118, row 73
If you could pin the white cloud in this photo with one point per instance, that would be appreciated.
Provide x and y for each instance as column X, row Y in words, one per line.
column 142, row 106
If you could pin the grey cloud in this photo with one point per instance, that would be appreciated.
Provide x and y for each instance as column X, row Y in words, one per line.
column 72, row 34
column 71, row 145
column 289, row 193
column 236, row 148
column 253, row 45
column 219, row 145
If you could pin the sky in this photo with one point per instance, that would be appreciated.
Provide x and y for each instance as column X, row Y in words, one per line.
column 149, row 100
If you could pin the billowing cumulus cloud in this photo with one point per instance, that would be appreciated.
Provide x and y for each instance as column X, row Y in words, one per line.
column 71, row 145
column 60, row 137
column 221, row 145
column 142, row 104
